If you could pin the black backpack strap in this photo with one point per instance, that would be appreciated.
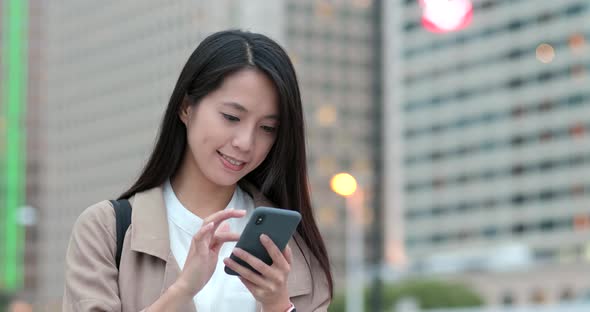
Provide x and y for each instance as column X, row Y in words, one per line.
column 123, row 216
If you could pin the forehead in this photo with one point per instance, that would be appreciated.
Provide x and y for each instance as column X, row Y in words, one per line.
column 250, row 89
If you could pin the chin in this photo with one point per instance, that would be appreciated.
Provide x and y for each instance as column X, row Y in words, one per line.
column 224, row 180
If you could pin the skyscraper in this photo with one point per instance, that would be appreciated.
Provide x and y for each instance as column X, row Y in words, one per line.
column 493, row 129
column 331, row 43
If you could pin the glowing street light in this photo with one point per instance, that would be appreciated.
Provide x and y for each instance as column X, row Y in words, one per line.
column 345, row 185
column 440, row 16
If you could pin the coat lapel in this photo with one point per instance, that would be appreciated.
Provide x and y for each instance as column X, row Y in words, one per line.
column 150, row 235
column 150, row 225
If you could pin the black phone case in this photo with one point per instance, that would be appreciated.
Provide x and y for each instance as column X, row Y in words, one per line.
column 278, row 224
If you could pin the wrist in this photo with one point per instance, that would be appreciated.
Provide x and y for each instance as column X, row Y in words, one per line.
column 180, row 292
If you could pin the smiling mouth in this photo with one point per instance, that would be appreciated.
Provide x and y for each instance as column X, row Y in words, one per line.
column 231, row 160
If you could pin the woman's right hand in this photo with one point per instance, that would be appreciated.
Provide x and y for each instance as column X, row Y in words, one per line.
column 204, row 251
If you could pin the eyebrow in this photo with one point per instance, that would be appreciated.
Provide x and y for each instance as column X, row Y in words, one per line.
column 243, row 109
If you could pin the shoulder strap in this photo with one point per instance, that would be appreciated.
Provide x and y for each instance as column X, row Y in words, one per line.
column 123, row 216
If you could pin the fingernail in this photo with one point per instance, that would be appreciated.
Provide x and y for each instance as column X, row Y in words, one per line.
column 264, row 237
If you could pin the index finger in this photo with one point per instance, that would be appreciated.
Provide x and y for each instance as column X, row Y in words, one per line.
column 223, row 215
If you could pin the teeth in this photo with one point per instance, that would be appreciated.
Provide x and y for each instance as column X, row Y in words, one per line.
column 232, row 161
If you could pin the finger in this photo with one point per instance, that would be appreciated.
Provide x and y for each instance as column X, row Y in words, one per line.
column 245, row 273
column 223, row 215
column 288, row 254
column 202, row 240
column 204, row 230
column 220, row 217
column 221, row 238
column 223, row 227
column 226, row 237
column 276, row 255
column 249, row 285
column 253, row 261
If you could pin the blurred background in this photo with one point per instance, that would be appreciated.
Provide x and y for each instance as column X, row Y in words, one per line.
column 449, row 140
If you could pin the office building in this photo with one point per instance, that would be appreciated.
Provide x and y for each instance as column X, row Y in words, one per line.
column 494, row 129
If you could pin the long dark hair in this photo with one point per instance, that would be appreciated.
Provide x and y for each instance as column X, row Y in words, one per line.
column 282, row 176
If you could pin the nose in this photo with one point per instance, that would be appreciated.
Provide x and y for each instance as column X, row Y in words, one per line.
column 244, row 139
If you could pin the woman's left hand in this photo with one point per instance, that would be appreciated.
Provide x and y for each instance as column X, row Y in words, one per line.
column 270, row 286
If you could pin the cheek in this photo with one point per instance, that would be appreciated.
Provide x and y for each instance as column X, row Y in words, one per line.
column 265, row 147
column 199, row 135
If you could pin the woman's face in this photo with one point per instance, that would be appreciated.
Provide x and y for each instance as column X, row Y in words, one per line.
column 232, row 129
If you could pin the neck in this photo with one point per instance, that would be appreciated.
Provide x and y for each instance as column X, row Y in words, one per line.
column 197, row 193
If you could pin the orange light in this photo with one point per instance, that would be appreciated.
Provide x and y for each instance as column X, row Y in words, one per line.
column 577, row 43
column 343, row 184
column 581, row 222
column 326, row 115
column 577, row 130
column 324, row 8
column 545, row 53
column 440, row 16
column 396, row 254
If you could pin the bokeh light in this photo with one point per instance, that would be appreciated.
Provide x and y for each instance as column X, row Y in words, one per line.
column 343, row 184
column 440, row 16
column 326, row 115
column 545, row 53
column 577, row 42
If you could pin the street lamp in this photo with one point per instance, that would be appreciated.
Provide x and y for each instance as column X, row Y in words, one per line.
column 345, row 185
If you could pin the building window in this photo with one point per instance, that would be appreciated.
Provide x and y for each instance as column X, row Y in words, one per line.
column 546, row 136
column 577, row 190
column 546, row 195
column 517, row 140
column 508, row 299
column 517, row 170
column 519, row 229
column 490, row 232
column 567, row 294
column 539, row 297
column 519, row 199
column 546, row 105
column 547, row 225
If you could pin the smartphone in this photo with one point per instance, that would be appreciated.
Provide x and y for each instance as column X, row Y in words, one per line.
column 278, row 224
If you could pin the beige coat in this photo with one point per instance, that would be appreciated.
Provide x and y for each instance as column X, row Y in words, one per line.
column 148, row 267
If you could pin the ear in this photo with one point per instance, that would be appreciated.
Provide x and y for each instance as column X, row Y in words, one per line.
column 185, row 111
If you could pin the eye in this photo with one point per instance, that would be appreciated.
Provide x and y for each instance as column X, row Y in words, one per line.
column 230, row 117
column 269, row 129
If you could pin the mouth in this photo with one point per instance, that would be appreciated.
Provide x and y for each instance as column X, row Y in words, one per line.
column 231, row 163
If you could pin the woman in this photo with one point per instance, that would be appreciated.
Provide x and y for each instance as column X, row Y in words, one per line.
column 232, row 139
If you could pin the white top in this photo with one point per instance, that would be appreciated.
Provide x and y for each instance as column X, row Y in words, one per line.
column 223, row 292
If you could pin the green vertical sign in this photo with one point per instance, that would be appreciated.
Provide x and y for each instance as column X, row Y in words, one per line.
column 12, row 127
